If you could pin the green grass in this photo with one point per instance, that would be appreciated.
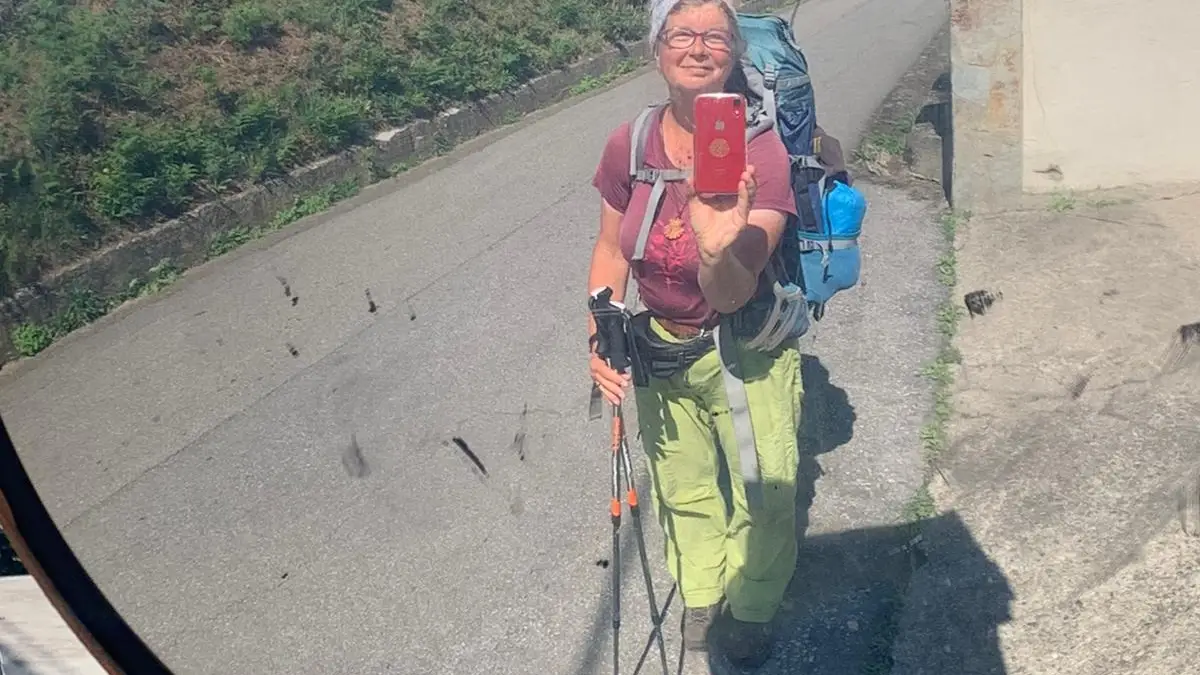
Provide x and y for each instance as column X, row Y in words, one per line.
column 1061, row 202
column 115, row 116
column 940, row 374
column 1105, row 203
column 316, row 202
column 118, row 116
column 947, row 271
column 207, row 109
column 83, row 307
column 889, row 141
column 311, row 204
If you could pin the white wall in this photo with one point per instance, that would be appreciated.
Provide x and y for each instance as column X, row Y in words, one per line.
column 1111, row 92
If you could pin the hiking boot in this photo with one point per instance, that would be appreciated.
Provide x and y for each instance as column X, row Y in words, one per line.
column 746, row 644
column 696, row 623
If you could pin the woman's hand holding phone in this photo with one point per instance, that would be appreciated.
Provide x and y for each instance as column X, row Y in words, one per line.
column 718, row 220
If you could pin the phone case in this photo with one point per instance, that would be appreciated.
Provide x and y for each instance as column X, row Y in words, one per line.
column 720, row 143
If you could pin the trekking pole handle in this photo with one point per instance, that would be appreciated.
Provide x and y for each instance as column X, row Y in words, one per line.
column 610, row 318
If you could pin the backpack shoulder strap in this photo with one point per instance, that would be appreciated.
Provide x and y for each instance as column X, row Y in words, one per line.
column 639, row 172
column 639, row 135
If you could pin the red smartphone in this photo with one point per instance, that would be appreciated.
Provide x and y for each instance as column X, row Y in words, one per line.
column 720, row 143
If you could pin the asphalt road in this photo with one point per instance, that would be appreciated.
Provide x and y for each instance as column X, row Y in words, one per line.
column 196, row 464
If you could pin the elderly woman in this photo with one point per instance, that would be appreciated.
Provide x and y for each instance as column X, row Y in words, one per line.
column 704, row 258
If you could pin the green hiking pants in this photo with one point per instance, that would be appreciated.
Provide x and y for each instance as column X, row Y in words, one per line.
column 747, row 558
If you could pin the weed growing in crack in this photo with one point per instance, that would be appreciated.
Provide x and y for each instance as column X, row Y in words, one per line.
column 946, row 270
column 161, row 275
column 1062, row 202
column 311, row 204
column 1105, row 203
column 318, row 201
column 950, row 222
column 920, row 506
column 940, row 373
column 85, row 306
column 881, row 145
column 948, row 315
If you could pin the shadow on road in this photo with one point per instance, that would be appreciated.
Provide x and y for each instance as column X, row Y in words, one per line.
column 870, row 600
column 11, row 662
column 826, row 424
column 873, row 601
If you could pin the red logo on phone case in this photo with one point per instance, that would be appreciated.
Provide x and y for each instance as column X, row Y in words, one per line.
column 719, row 148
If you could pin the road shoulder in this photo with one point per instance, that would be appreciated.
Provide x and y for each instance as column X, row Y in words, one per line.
column 1067, row 446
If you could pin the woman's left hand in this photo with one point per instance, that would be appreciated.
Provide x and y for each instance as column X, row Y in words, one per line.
column 718, row 220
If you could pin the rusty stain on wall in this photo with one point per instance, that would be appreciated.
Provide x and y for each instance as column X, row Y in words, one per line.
column 997, row 107
column 961, row 14
column 1004, row 106
column 1009, row 57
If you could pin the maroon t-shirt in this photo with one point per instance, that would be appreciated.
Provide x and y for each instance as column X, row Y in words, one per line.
column 668, row 275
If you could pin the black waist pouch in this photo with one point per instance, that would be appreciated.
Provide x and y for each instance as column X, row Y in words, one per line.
column 653, row 356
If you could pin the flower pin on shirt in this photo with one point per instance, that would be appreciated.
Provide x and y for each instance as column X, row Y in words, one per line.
column 674, row 229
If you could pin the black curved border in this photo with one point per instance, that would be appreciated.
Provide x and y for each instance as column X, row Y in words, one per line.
column 65, row 572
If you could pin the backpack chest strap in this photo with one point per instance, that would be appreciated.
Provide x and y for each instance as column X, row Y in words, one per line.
column 659, row 179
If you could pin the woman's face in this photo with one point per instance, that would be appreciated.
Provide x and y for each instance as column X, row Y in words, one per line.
column 696, row 49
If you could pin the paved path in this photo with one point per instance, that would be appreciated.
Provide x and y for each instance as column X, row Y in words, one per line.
column 196, row 465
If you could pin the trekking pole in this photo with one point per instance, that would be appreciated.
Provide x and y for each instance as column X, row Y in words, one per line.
column 612, row 346
column 634, row 511
column 615, row 512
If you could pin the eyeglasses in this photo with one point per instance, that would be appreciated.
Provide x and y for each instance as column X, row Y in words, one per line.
column 682, row 38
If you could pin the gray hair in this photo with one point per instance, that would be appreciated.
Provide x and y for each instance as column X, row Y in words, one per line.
column 661, row 9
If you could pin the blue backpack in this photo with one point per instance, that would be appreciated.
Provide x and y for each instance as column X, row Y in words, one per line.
column 818, row 255
column 819, row 251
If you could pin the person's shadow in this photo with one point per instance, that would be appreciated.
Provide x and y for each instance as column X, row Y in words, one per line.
column 919, row 598
column 826, row 424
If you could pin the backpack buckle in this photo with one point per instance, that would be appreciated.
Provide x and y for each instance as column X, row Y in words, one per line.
column 769, row 76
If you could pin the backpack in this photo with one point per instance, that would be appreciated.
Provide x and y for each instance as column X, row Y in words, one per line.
column 818, row 255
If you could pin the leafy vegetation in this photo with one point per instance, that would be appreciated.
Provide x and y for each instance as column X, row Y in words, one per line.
column 314, row 203
column 116, row 114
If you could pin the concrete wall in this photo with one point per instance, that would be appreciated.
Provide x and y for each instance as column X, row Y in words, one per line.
column 985, row 72
column 1111, row 93
column 1072, row 94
